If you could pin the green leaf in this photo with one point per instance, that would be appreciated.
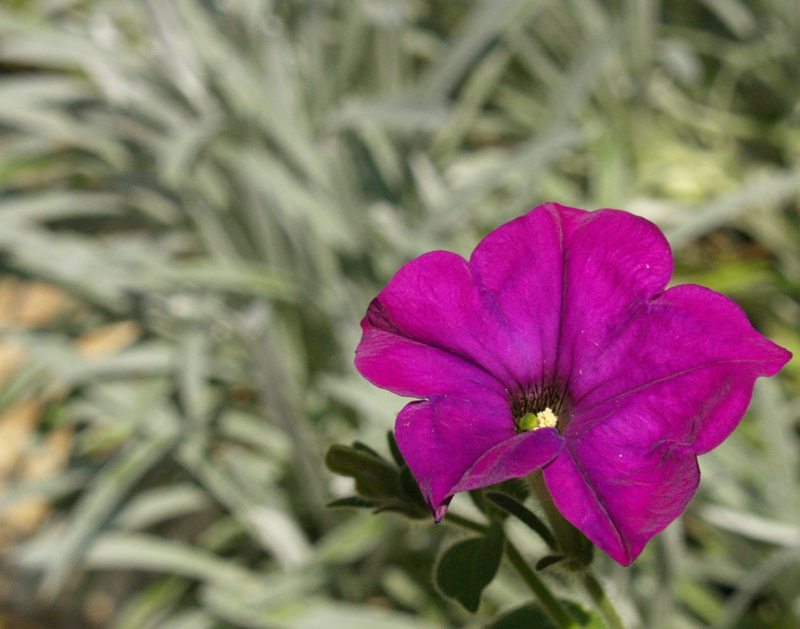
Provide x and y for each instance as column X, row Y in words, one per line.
column 468, row 566
column 395, row 449
column 96, row 504
column 549, row 560
column 150, row 553
column 374, row 476
column 412, row 492
column 529, row 616
column 517, row 488
column 149, row 604
column 160, row 504
column 54, row 486
column 587, row 618
column 379, row 484
column 352, row 540
column 532, row 616
column 239, row 278
column 353, row 502
column 362, row 447
column 316, row 613
column 192, row 619
column 478, row 29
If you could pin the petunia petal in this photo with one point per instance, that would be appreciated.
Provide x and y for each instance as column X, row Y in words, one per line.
column 442, row 438
column 514, row 458
column 564, row 277
column 621, row 489
column 614, row 263
column 521, row 264
column 436, row 302
column 411, row 368
column 632, row 459
column 672, row 384
column 454, row 445
column 687, row 362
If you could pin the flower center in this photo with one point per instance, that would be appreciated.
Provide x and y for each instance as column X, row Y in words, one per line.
column 543, row 419
column 542, row 407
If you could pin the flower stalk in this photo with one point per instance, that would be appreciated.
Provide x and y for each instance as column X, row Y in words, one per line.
column 571, row 541
column 578, row 549
column 595, row 590
column 551, row 605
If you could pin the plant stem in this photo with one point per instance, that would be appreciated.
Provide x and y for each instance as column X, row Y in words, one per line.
column 549, row 603
column 600, row 599
column 571, row 541
column 578, row 548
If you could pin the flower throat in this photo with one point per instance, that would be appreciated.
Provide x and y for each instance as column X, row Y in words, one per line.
column 538, row 408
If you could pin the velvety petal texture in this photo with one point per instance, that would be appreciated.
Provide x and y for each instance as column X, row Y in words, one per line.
column 456, row 445
column 564, row 308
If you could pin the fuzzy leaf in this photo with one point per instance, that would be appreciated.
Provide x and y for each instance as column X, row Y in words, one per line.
column 355, row 502
column 468, row 566
column 549, row 560
column 531, row 616
column 374, row 476
column 526, row 617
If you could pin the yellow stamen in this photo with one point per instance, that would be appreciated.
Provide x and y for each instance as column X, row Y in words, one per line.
column 543, row 419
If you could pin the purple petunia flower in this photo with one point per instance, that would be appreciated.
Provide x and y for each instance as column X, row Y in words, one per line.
column 556, row 346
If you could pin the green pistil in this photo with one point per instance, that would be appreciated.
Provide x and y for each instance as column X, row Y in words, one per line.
column 543, row 419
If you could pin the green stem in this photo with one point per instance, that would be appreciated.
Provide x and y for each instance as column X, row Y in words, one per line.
column 601, row 600
column 549, row 603
column 578, row 548
column 571, row 541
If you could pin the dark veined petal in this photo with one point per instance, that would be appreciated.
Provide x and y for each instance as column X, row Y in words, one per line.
column 632, row 462
column 673, row 384
column 614, row 263
column 435, row 330
column 521, row 264
column 411, row 368
column 513, row 458
column 621, row 493
column 454, row 445
column 564, row 279
column 687, row 361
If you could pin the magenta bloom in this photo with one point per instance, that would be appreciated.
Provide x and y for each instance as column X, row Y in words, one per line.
column 556, row 346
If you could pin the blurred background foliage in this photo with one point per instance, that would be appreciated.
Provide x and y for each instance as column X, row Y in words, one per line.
column 198, row 199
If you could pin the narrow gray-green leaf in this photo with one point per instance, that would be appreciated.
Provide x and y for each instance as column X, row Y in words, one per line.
column 108, row 489
column 160, row 504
